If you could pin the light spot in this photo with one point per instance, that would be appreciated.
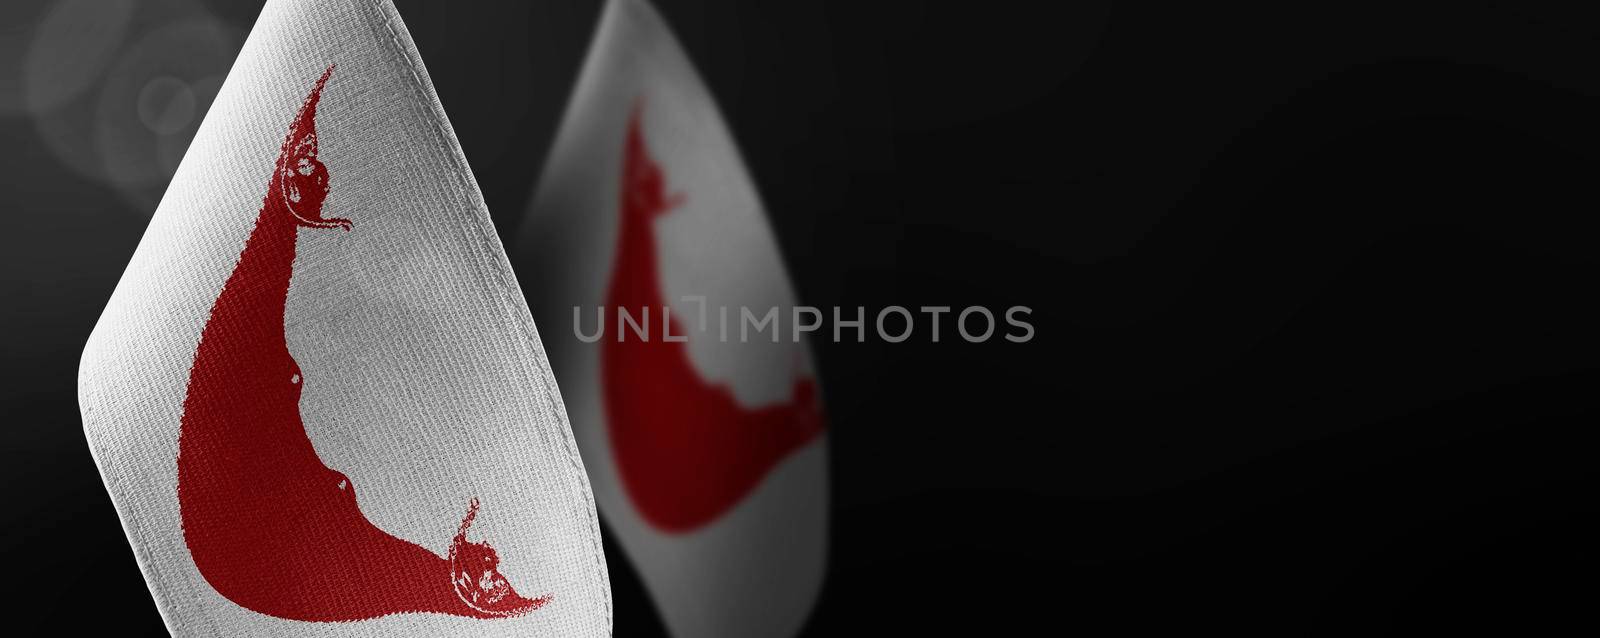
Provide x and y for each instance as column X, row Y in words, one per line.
column 166, row 105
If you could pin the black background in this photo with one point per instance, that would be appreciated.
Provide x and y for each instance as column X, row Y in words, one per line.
column 1312, row 286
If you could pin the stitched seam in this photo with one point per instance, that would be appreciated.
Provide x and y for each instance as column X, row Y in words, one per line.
column 122, row 501
column 509, row 294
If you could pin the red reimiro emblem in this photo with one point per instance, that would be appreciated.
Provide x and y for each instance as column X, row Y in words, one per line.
column 269, row 526
column 685, row 450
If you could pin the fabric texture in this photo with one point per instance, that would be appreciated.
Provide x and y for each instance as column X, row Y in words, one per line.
column 419, row 381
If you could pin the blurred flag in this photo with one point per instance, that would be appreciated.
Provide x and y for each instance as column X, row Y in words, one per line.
column 317, row 397
column 704, row 440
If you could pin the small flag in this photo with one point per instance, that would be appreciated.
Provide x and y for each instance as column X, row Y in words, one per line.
column 316, row 396
column 668, row 310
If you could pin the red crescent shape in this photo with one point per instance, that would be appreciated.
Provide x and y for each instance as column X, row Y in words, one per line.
column 269, row 526
column 685, row 449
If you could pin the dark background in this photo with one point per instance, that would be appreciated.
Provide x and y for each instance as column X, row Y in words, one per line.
column 1313, row 288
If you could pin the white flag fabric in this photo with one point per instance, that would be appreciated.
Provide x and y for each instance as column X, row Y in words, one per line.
column 704, row 433
column 317, row 397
